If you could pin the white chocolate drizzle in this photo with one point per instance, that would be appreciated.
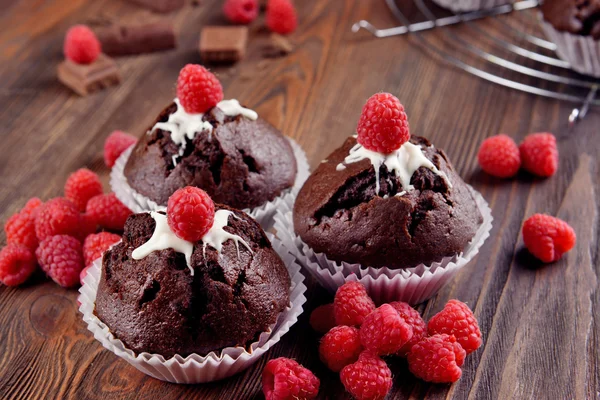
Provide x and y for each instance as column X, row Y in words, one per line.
column 404, row 162
column 216, row 236
column 164, row 238
column 183, row 125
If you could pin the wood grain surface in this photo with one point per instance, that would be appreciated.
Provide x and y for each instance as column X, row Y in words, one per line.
column 540, row 324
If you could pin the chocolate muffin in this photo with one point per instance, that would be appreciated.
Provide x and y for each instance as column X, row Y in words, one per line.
column 573, row 16
column 156, row 304
column 240, row 162
column 339, row 213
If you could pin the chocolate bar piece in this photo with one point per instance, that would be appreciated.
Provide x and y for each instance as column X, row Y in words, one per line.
column 161, row 6
column 87, row 78
column 223, row 43
column 118, row 40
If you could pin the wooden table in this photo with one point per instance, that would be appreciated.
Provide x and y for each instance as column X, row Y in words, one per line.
column 540, row 323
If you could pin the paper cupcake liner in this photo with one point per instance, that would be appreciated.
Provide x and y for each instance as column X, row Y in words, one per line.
column 195, row 368
column 582, row 52
column 412, row 285
column 470, row 5
column 262, row 214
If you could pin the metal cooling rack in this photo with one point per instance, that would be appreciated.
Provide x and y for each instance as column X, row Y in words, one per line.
column 521, row 60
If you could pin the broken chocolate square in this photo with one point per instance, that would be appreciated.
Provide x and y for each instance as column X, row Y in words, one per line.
column 118, row 40
column 87, row 78
column 223, row 43
column 161, row 6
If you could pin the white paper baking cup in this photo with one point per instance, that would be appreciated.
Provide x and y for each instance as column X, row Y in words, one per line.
column 195, row 368
column 470, row 5
column 412, row 285
column 262, row 214
column 582, row 52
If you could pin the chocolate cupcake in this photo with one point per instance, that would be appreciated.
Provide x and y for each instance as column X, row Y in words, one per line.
column 574, row 26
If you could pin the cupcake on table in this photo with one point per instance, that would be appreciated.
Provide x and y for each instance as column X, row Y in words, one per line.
column 386, row 208
column 192, row 294
column 218, row 145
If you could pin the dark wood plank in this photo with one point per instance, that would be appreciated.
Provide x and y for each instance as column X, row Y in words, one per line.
column 540, row 324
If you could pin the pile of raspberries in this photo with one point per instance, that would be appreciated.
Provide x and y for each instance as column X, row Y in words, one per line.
column 66, row 234
column 357, row 334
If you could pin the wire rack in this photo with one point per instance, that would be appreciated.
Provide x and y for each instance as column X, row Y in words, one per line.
column 516, row 55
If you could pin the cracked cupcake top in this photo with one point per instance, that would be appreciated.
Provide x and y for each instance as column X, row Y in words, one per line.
column 340, row 213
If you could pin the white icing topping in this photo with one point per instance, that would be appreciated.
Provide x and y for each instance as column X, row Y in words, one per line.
column 404, row 162
column 164, row 238
column 232, row 108
column 216, row 236
column 402, row 193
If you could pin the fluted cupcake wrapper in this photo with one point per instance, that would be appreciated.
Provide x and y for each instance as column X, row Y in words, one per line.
column 412, row 285
column 470, row 5
column 582, row 52
column 262, row 214
column 196, row 368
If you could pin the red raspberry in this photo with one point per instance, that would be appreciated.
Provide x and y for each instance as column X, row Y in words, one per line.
column 458, row 320
column 58, row 216
column 285, row 379
column 17, row 264
column 414, row 320
column 61, row 258
column 367, row 379
column 547, row 237
column 20, row 229
column 437, row 358
column 96, row 244
column 281, row 16
column 241, row 11
column 81, row 186
column 116, row 143
column 198, row 89
column 539, row 154
column 322, row 319
column 383, row 124
column 340, row 347
column 384, row 331
column 81, row 45
column 352, row 304
column 190, row 213
column 108, row 211
column 499, row 156
column 32, row 207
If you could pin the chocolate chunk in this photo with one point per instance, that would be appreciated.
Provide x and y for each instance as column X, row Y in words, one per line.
column 223, row 43
column 87, row 78
column 161, row 6
column 118, row 40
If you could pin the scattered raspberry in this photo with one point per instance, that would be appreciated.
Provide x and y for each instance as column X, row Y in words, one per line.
column 116, row 143
column 352, row 304
column 81, row 45
column 191, row 213
column 198, row 89
column 539, row 154
column 281, row 16
column 437, row 359
column 285, row 379
column 31, row 207
column 547, row 237
column 58, row 216
column 322, row 318
column 383, row 124
column 384, row 331
column 96, row 244
column 81, row 186
column 367, row 379
column 108, row 211
column 17, row 264
column 240, row 11
column 499, row 156
column 458, row 320
column 20, row 229
column 414, row 320
column 61, row 258
column 340, row 347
